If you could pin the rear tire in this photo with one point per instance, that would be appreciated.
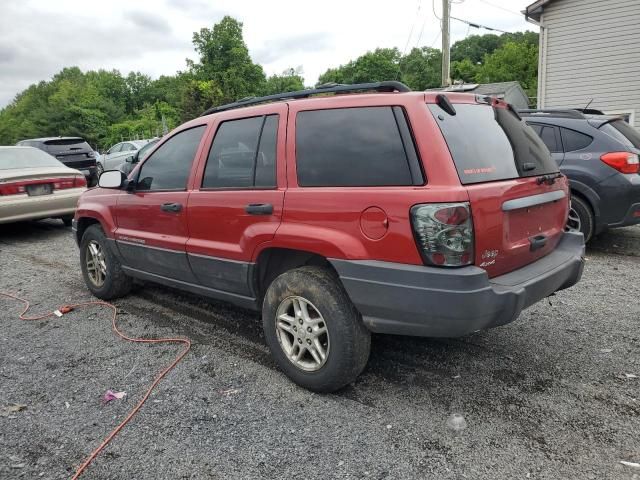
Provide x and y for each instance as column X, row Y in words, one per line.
column 101, row 270
column 581, row 218
column 346, row 341
column 67, row 220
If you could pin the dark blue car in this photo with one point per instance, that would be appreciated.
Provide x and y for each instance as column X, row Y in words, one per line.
column 599, row 155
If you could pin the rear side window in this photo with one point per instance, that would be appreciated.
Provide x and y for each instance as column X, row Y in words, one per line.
column 548, row 136
column 623, row 132
column 169, row 166
column 489, row 144
column 67, row 145
column 243, row 154
column 572, row 140
column 351, row 147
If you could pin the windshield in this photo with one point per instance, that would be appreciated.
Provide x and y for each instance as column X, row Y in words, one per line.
column 26, row 157
column 492, row 143
column 623, row 132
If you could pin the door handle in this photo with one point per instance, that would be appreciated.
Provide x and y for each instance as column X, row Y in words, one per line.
column 537, row 242
column 171, row 207
column 259, row 209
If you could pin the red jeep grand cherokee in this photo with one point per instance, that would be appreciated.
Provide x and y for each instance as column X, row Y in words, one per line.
column 338, row 215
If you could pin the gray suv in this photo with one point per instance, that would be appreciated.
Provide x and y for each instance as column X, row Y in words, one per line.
column 599, row 155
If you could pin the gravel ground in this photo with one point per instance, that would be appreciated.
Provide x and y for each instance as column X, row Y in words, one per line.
column 545, row 397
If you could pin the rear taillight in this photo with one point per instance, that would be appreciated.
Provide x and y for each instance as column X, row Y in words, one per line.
column 62, row 183
column 12, row 188
column 624, row 162
column 444, row 233
column 80, row 182
column 72, row 182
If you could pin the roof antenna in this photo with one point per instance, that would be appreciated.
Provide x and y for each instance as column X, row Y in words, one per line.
column 588, row 104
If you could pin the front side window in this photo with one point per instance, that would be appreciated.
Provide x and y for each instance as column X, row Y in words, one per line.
column 351, row 147
column 115, row 149
column 243, row 154
column 169, row 166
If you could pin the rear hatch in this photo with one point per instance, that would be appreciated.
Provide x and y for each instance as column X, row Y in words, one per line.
column 73, row 152
column 621, row 131
column 519, row 200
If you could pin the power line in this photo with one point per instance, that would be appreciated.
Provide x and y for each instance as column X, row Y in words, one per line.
column 433, row 7
column 478, row 25
column 411, row 31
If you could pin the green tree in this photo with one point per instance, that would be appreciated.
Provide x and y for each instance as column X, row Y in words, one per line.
column 464, row 70
column 421, row 68
column 225, row 61
column 376, row 66
column 475, row 47
column 287, row 82
column 512, row 61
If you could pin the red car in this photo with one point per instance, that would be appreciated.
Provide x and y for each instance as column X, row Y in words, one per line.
column 374, row 209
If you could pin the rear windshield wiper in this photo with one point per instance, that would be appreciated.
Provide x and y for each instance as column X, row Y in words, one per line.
column 548, row 179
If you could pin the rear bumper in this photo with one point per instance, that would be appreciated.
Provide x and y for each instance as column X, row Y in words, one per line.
column 620, row 205
column 632, row 217
column 426, row 301
column 18, row 208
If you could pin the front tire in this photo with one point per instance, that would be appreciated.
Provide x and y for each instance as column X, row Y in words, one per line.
column 68, row 220
column 581, row 218
column 101, row 270
column 314, row 332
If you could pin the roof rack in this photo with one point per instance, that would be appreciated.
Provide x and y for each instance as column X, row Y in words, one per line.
column 389, row 86
column 556, row 112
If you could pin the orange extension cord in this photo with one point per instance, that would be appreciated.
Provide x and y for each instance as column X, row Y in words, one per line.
column 67, row 308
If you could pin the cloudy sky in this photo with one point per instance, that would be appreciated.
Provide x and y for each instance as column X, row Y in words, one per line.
column 40, row 37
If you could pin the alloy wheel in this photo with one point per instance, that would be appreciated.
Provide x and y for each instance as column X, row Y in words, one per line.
column 574, row 224
column 302, row 333
column 96, row 263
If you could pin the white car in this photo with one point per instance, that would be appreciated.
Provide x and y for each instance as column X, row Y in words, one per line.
column 34, row 185
column 117, row 154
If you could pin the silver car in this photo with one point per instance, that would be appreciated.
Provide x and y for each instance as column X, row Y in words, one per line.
column 118, row 153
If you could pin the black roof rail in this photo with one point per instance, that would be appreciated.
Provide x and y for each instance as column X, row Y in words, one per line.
column 555, row 112
column 389, row 86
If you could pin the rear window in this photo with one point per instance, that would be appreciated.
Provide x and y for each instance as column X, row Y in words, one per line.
column 489, row 144
column 623, row 132
column 67, row 145
column 351, row 147
column 12, row 158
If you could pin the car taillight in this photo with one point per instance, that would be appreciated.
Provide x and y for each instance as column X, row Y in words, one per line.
column 624, row 162
column 62, row 183
column 444, row 233
column 12, row 188
column 80, row 182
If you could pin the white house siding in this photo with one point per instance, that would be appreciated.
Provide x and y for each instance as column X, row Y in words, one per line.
column 591, row 50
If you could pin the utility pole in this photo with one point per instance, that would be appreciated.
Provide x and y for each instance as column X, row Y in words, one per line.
column 446, row 61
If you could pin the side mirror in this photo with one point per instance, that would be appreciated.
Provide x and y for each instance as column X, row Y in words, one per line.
column 130, row 159
column 112, row 179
